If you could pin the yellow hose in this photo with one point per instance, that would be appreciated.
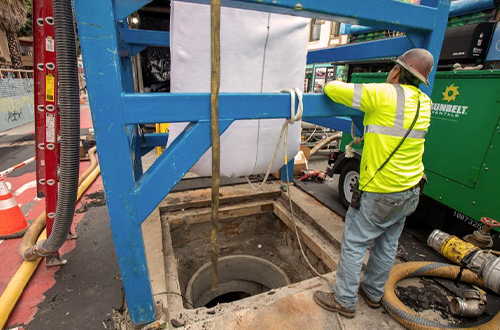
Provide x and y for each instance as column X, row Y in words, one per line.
column 31, row 235
column 93, row 165
column 324, row 142
column 408, row 317
column 17, row 284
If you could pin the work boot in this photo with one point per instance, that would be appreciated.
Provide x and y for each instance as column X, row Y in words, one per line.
column 328, row 302
column 370, row 302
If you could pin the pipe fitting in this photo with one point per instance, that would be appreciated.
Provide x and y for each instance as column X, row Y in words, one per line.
column 491, row 274
column 481, row 262
column 451, row 247
column 471, row 305
column 36, row 251
column 477, row 261
column 436, row 239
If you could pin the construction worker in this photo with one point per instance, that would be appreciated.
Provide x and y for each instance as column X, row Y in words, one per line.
column 397, row 116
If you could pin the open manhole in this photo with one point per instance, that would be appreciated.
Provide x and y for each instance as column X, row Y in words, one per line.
column 240, row 276
column 258, row 248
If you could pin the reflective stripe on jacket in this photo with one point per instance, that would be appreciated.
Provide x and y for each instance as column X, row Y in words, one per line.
column 389, row 111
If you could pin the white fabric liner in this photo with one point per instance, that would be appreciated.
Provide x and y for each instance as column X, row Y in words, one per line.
column 254, row 59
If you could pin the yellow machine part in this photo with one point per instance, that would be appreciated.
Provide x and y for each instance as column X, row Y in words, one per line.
column 455, row 249
column 161, row 128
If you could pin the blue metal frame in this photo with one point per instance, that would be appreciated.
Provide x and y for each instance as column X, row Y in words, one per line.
column 385, row 48
column 457, row 8
column 107, row 46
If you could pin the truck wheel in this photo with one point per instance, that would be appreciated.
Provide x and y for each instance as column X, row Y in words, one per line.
column 349, row 175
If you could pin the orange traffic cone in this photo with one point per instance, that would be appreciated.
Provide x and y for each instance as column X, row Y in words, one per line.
column 12, row 221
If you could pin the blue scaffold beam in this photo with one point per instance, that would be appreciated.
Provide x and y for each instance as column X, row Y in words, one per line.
column 152, row 107
column 123, row 8
column 144, row 37
column 434, row 41
column 172, row 165
column 133, row 41
column 388, row 14
column 392, row 47
column 148, row 142
column 378, row 49
column 154, row 140
column 457, row 8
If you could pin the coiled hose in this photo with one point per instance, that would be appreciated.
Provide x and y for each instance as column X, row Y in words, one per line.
column 408, row 317
column 69, row 106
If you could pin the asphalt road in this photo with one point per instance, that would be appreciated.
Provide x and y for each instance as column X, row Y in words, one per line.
column 88, row 288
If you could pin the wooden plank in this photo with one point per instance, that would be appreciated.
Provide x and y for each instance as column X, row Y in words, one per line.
column 315, row 213
column 223, row 200
column 229, row 212
column 316, row 243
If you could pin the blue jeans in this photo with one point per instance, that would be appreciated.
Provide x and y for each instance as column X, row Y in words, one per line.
column 376, row 225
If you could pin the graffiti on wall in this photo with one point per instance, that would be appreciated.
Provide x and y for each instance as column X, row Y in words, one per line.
column 16, row 103
column 14, row 115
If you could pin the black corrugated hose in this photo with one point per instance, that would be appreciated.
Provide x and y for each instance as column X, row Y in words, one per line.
column 69, row 107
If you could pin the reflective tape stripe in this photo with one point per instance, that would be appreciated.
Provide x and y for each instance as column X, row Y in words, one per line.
column 395, row 131
column 8, row 204
column 356, row 97
column 400, row 107
column 5, row 197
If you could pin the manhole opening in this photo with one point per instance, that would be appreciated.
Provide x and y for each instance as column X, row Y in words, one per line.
column 226, row 298
column 262, row 235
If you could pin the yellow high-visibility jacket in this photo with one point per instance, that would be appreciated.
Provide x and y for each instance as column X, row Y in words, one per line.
column 389, row 111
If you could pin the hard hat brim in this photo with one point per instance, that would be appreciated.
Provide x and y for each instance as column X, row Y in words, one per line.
column 405, row 65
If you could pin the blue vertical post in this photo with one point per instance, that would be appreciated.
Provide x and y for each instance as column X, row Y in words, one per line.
column 433, row 41
column 104, row 80
column 127, row 76
column 284, row 176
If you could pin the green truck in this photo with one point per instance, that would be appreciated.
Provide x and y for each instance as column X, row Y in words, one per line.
column 462, row 147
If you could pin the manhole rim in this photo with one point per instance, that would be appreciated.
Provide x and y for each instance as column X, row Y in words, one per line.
column 228, row 276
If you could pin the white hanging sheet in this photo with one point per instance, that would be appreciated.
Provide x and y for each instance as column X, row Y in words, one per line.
column 260, row 52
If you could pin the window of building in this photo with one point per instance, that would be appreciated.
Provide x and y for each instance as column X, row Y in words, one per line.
column 335, row 32
column 315, row 30
column 335, row 37
column 26, row 49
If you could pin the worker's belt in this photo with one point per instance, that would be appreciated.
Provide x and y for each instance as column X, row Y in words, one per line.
column 421, row 184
